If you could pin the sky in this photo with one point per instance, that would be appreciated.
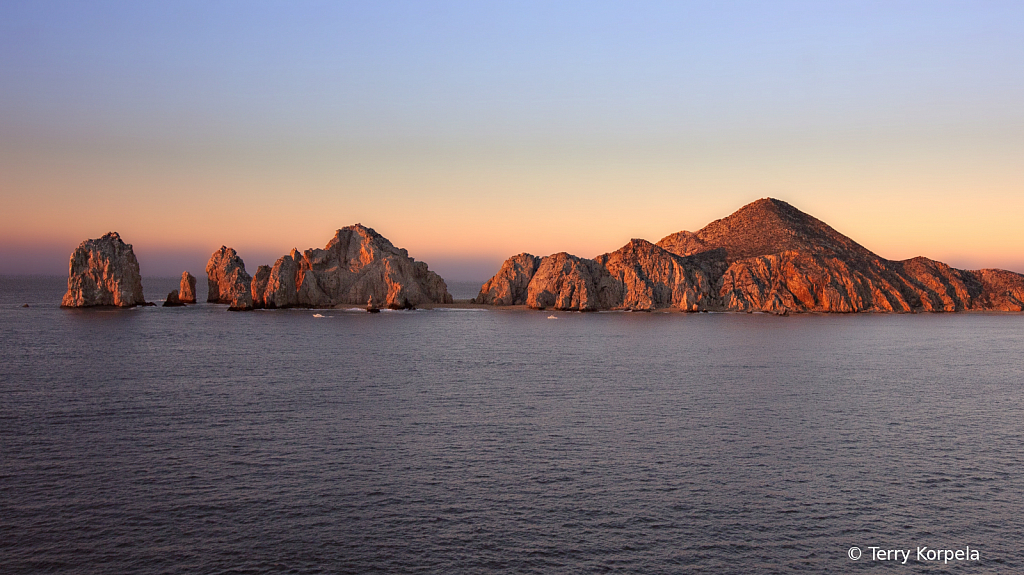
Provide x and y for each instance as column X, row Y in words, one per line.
column 467, row 132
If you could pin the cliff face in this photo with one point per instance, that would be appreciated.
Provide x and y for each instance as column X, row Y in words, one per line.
column 768, row 256
column 104, row 272
column 356, row 265
column 648, row 277
column 227, row 280
column 512, row 282
column 560, row 281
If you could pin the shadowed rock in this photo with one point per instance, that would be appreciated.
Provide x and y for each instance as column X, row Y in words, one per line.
column 104, row 272
column 173, row 300
column 259, row 286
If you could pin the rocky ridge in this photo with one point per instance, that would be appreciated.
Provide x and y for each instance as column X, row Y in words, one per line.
column 768, row 256
column 104, row 272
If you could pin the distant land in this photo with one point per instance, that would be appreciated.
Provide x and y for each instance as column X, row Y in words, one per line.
column 768, row 256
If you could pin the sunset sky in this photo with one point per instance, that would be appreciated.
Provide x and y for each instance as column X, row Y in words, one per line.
column 470, row 131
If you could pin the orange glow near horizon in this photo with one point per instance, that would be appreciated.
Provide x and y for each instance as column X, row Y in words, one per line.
column 474, row 132
column 965, row 215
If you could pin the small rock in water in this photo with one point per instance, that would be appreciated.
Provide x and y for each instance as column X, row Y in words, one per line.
column 24, row 305
column 173, row 300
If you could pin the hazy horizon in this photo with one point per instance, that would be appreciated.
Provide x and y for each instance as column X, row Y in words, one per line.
column 467, row 133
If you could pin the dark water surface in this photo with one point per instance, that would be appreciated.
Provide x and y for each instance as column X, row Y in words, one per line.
column 200, row 441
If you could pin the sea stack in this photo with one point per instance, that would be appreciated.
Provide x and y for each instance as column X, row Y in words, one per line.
column 357, row 265
column 104, row 272
column 187, row 289
column 227, row 280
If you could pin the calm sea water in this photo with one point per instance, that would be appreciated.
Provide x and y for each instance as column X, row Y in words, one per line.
column 200, row 441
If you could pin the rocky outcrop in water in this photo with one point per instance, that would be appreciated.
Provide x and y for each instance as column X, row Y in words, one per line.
column 173, row 300
column 356, row 265
column 104, row 272
column 187, row 288
column 768, row 256
column 227, row 280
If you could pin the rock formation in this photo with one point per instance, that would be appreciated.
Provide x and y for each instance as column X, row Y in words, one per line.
column 768, row 256
column 357, row 265
column 104, row 272
column 561, row 281
column 187, row 289
column 259, row 286
column 512, row 282
column 228, row 281
column 173, row 300
column 647, row 277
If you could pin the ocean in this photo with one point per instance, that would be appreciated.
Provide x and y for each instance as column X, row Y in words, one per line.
column 194, row 440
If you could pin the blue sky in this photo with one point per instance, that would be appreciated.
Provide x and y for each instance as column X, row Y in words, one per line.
column 467, row 132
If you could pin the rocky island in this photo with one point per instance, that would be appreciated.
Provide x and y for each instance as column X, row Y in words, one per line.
column 356, row 266
column 104, row 272
column 768, row 256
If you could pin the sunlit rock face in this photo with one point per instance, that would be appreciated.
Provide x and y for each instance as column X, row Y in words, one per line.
column 781, row 259
column 187, row 288
column 356, row 265
column 567, row 282
column 104, row 272
column 559, row 281
column 512, row 282
column 768, row 256
column 640, row 276
column 1000, row 290
column 227, row 280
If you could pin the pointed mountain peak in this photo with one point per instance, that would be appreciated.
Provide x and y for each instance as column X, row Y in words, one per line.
column 637, row 246
column 767, row 226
